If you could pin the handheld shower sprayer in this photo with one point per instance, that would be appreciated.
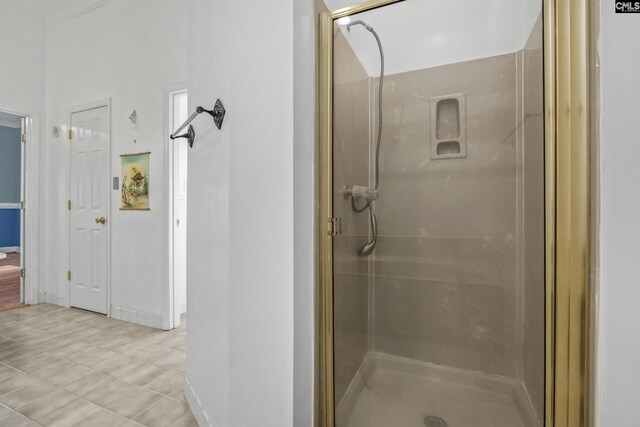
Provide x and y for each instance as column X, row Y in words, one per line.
column 368, row 194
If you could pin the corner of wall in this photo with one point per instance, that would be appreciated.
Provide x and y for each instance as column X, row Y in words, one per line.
column 196, row 407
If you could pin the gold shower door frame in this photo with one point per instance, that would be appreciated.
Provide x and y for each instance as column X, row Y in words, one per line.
column 567, row 214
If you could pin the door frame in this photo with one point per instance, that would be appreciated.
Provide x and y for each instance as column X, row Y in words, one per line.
column 29, row 192
column 171, row 317
column 106, row 102
column 568, row 237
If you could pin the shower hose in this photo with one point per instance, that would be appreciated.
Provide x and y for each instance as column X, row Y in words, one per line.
column 368, row 248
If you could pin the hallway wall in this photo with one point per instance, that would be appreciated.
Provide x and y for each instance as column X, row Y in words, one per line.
column 127, row 51
column 241, row 299
column 22, row 90
column 617, row 371
column 22, row 68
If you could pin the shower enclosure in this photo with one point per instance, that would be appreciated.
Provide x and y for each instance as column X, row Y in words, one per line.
column 437, row 196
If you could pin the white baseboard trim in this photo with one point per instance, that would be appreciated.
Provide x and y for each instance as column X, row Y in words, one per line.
column 183, row 307
column 139, row 317
column 50, row 298
column 10, row 249
column 196, row 407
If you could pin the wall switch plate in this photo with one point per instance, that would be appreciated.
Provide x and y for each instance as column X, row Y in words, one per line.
column 116, row 182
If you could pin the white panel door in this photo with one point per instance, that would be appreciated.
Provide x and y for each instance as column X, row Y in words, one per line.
column 89, row 227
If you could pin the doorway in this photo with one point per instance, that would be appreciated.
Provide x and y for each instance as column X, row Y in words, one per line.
column 89, row 208
column 12, row 218
column 178, row 177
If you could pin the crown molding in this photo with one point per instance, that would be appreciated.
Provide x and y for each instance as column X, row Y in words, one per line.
column 74, row 11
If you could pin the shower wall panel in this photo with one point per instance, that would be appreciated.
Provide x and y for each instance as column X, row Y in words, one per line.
column 445, row 267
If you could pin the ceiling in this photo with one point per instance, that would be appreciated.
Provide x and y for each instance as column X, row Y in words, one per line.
column 419, row 34
column 44, row 8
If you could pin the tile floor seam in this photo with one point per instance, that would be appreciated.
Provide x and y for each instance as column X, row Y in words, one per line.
column 106, row 409
column 142, row 412
column 18, row 389
column 149, row 408
column 87, row 400
column 25, row 417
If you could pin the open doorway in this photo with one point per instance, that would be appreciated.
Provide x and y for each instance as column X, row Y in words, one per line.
column 178, row 165
column 12, row 156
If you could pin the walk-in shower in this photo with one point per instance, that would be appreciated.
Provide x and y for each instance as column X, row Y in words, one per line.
column 436, row 177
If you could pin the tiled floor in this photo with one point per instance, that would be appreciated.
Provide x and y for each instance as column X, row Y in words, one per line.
column 67, row 367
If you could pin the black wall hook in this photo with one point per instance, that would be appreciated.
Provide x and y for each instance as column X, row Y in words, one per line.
column 190, row 136
column 217, row 113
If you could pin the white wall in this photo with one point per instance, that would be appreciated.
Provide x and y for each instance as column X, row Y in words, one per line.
column 240, row 362
column 618, row 341
column 208, row 355
column 126, row 51
column 22, row 67
column 22, row 90
column 305, row 211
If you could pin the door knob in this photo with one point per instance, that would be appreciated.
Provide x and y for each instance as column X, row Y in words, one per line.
column 101, row 220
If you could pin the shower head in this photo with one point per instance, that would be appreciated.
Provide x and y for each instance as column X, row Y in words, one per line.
column 359, row 22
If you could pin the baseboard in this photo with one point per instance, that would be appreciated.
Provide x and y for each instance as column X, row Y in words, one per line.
column 10, row 249
column 196, row 407
column 183, row 307
column 54, row 299
column 151, row 320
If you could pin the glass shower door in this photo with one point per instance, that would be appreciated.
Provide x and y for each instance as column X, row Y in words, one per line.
column 438, row 182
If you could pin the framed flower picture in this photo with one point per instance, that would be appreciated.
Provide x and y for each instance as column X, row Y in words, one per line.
column 135, row 182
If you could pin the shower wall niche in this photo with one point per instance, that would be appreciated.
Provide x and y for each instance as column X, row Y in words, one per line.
column 449, row 127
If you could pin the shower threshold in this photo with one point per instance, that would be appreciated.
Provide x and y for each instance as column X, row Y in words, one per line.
column 394, row 391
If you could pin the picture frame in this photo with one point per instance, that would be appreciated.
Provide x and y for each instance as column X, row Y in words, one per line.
column 134, row 176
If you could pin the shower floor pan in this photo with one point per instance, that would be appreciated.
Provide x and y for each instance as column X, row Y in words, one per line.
column 394, row 391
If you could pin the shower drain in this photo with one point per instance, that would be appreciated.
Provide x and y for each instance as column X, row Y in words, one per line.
column 433, row 421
